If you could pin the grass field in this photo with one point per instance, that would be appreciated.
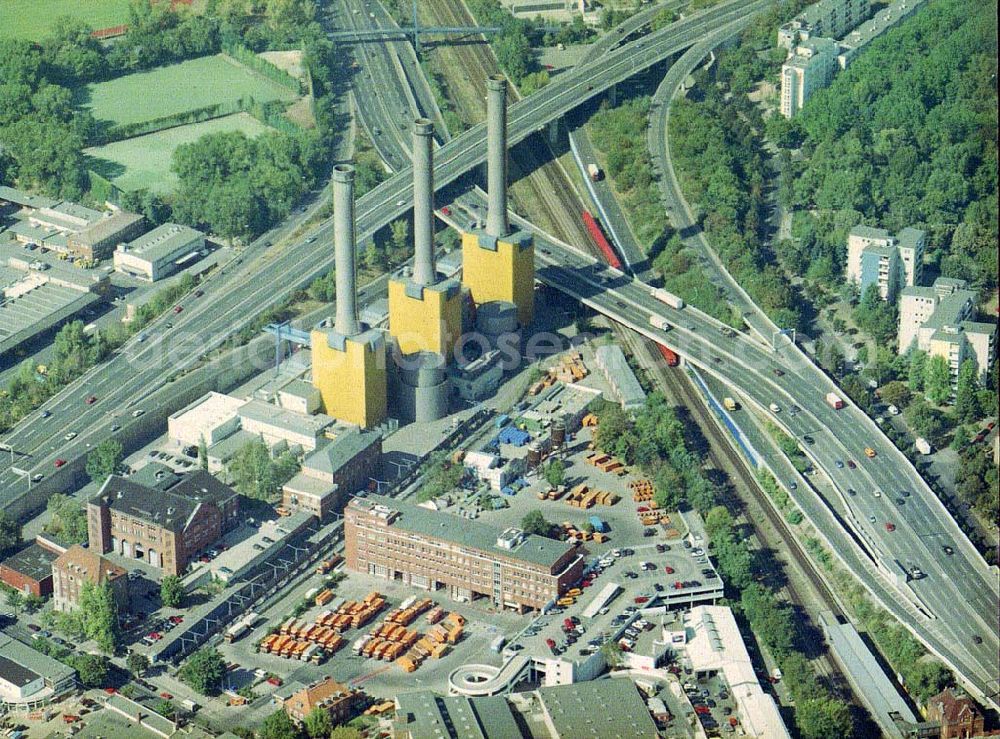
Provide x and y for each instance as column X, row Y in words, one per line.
column 176, row 88
column 144, row 161
column 32, row 19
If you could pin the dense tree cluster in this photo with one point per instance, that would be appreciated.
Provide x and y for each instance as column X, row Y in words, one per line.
column 442, row 476
column 204, row 671
column 907, row 135
column 68, row 519
column 256, row 474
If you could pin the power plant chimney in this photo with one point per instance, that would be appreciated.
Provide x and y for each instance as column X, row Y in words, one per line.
column 343, row 240
column 496, row 157
column 423, row 202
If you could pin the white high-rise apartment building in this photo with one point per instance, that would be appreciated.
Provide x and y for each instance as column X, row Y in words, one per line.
column 809, row 67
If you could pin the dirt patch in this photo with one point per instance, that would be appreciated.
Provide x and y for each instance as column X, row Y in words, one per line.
column 301, row 113
column 289, row 61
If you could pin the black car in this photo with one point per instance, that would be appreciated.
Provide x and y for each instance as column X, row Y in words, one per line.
column 852, row 492
column 808, row 439
column 657, row 587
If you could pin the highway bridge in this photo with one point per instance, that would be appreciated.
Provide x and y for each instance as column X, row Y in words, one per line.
column 951, row 608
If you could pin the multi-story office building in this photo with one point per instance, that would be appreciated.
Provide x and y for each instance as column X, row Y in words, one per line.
column 76, row 566
column 402, row 541
column 832, row 18
column 936, row 320
column 875, row 257
column 165, row 525
column 810, row 66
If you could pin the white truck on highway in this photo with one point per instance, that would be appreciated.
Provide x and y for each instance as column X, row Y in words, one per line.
column 669, row 298
column 659, row 322
column 834, row 401
column 594, row 172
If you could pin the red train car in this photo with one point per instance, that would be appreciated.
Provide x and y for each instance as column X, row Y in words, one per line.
column 594, row 229
column 672, row 359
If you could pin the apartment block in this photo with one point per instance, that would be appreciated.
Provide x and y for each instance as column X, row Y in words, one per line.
column 469, row 559
column 810, row 66
column 936, row 320
column 875, row 257
column 832, row 18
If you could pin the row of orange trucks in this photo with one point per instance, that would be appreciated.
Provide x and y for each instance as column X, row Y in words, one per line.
column 572, row 532
column 435, row 643
column 607, row 463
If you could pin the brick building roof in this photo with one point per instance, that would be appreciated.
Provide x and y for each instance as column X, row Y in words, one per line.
column 88, row 564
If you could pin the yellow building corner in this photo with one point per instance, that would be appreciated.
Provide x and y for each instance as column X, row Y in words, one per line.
column 350, row 374
column 425, row 318
column 501, row 269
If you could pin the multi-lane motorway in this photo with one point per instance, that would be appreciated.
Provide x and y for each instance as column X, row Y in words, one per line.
column 959, row 591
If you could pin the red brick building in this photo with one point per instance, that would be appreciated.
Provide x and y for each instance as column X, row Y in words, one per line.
column 336, row 699
column 470, row 559
column 29, row 570
column 164, row 526
column 76, row 566
column 958, row 715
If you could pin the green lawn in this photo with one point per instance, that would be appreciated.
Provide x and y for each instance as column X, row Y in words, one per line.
column 159, row 92
column 144, row 161
column 32, row 19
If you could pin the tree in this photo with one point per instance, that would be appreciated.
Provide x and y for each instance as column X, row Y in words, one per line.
column 92, row 669
column 555, row 472
column 318, row 723
column 279, row 726
column 925, row 420
column 256, row 475
column 896, row 393
column 15, row 599
column 69, row 520
column 171, row 591
column 937, row 380
column 823, row 718
column 204, row 671
column 400, row 231
column 137, row 664
column 612, row 653
column 915, row 376
column 104, row 460
column 534, row 522
column 202, row 453
column 966, row 394
column 961, row 439
column 100, row 615
column 164, row 708
column 10, row 532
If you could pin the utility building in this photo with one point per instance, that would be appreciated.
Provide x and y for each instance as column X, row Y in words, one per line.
column 425, row 314
column 348, row 361
column 498, row 265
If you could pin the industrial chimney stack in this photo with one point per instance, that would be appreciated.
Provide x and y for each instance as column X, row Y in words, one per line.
column 343, row 240
column 496, row 136
column 423, row 202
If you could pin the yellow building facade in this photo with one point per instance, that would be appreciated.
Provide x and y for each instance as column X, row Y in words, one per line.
column 425, row 317
column 501, row 269
column 350, row 374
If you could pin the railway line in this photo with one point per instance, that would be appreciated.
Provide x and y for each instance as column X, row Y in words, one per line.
column 554, row 199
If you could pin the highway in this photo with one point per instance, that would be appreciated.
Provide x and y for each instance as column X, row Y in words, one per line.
column 960, row 590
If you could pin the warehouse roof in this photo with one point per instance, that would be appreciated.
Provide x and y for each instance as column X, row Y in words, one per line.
column 20, row 197
column 597, row 708
column 424, row 715
column 472, row 534
column 273, row 415
column 26, row 658
column 611, row 360
column 162, row 242
column 209, row 410
column 107, row 228
column 34, row 562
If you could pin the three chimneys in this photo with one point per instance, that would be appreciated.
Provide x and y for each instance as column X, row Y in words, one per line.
column 424, row 273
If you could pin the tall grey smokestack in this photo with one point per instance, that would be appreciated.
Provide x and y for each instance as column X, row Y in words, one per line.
column 496, row 155
column 343, row 241
column 423, row 201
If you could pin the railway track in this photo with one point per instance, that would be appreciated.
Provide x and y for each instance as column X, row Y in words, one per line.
column 548, row 197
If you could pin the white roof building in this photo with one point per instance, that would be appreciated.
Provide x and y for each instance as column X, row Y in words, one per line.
column 212, row 417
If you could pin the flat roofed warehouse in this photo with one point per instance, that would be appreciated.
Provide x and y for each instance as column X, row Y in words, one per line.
column 597, row 708
column 424, row 715
column 155, row 254
column 399, row 540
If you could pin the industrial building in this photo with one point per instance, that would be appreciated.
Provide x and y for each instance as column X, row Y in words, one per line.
column 936, row 320
column 77, row 566
column 98, row 240
column 332, row 473
column 349, row 362
column 398, row 540
column 210, row 419
column 29, row 679
column 157, row 253
column 275, row 425
column 875, row 257
column 29, row 570
column 602, row 708
column 166, row 526
column 498, row 264
column 612, row 362
column 425, row 715
column 478, row 379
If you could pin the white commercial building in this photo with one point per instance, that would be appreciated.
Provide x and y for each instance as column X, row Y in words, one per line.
column 211, row 418
column 155, row 254
column 936, row 320
column 713, row 644
column 29, row 678
column 810, row 66
column 277, row 424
